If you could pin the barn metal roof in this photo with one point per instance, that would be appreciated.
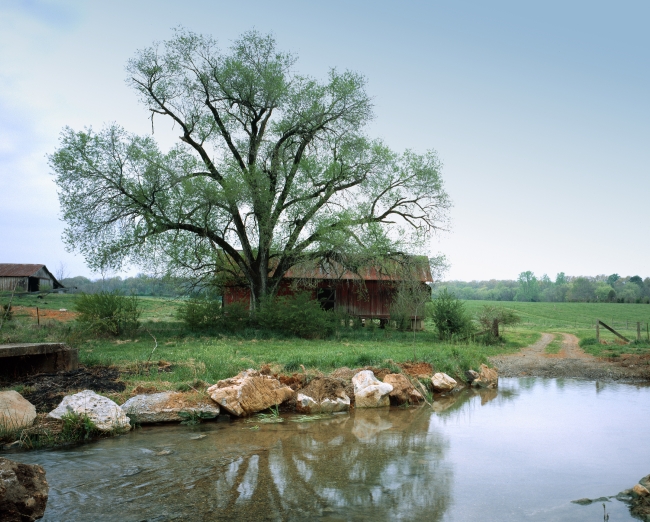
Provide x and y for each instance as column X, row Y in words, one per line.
column 18, row 270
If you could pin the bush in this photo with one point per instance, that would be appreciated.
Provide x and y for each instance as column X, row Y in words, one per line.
column 297, row 314
column 503, row 316
column 108, row 312
column 236, row 316
column 450, row 317
column 7, row 312
column 200, row 313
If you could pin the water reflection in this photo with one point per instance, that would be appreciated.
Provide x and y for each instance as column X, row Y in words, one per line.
column 397, row 464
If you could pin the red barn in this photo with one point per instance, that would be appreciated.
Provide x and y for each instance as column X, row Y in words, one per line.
column 366, row 294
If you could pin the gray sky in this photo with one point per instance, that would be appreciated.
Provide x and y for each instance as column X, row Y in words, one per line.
column 540, row 112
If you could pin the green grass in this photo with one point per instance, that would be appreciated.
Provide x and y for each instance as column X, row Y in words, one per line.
column 555, row 345
column 210, row 355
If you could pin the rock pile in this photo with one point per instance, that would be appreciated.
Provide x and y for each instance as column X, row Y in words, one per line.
column 23, row 491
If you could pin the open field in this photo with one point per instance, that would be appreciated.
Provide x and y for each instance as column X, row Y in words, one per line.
column 182, row 356
column 579, row 319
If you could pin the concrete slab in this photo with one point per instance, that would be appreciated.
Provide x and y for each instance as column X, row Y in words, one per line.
column 24, row 359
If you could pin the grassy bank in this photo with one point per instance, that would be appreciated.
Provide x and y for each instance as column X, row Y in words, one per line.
column 164, row 354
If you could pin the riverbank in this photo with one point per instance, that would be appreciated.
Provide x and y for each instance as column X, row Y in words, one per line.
column 568, row 360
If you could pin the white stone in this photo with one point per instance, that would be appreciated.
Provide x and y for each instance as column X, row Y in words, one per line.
column 441, row 382
column 165, row 407
column 306, row 404
column 103, row 412
column 16, row 412
column 369, row 392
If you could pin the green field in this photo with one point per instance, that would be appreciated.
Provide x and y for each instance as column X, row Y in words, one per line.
column 165, row 354
column 213, row 355
column 580, row 319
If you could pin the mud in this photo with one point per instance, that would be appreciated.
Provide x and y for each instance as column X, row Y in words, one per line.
column 46, row 390
column 570, row 362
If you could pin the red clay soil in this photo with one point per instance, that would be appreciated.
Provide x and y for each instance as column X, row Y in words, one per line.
column 45, row 314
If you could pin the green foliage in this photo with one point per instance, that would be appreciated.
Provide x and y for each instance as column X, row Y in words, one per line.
column 108, row 312
column 290, row 148
column 77, row 428
column 199, row 313
column 449, row 315
column 7, row 312
column 503, row 316
column 298, row 314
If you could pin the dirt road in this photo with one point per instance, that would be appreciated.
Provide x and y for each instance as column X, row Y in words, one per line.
column 571, row 361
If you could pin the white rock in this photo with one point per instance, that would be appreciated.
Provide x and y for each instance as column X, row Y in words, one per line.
column 370, row 392
column 441, row 382
column 306, row 404
column 16, row 412
column 103, row 412
column 165, row 407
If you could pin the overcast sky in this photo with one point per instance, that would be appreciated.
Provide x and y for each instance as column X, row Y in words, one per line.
column 540, row 112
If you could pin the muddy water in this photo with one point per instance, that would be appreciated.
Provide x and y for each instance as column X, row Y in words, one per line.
column 520, row 453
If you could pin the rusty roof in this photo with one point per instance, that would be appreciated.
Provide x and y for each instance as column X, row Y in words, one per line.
column 388, row 272
column 18, row 270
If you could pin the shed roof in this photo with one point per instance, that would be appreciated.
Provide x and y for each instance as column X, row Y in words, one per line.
column 18, row 270
column 25, row 270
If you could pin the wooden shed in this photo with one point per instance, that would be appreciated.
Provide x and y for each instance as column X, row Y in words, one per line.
column 366, row 293
column 26, row 278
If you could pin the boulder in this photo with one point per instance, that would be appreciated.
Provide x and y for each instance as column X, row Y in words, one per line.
column 307, row 404
column 640, row 491
column 403, row 389
column 103, row 412
column 441, row 382
column 165, row 407
column 23, row 491
column 16, row 412
column 487, row 377
column 471, row 376
column 249, row 392
column 370, row 392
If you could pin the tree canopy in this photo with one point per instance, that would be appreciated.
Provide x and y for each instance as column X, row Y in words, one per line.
column 272, row 169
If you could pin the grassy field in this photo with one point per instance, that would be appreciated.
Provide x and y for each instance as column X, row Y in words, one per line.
column 164, row 353
column 580, row 319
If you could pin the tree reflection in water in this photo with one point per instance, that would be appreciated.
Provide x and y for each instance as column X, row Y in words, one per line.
column 347, row 467
column 372, row 464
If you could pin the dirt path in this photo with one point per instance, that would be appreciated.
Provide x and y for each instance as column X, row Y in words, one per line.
column 571, row 361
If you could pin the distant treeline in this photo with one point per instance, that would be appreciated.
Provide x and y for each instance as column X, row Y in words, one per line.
column 142, row 284
column 528, row 287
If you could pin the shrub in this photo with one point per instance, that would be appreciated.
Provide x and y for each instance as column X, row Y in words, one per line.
column 297, row 314
column 236, row 316
column 7, row 312
column 200, row 313
column 449, row 315
column 503, row 316
column 108, row 312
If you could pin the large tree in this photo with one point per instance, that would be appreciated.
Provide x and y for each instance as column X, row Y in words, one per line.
column 273, row 169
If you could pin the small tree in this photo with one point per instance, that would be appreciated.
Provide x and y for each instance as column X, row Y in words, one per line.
column 492, row 317
column 449, row 315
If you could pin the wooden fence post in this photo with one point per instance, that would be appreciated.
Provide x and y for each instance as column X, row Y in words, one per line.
column 638, row 331
column 598, row 331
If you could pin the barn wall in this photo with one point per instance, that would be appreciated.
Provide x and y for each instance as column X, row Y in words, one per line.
column 374, row 303
column 7, row 284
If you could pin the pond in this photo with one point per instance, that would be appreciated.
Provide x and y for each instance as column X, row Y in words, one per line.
column 522, row 452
